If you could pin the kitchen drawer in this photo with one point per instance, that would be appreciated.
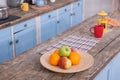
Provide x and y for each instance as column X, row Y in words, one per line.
column 77, row 4
column 23, row 25
column 64, row 9
column 4, row 32
column 48, row 16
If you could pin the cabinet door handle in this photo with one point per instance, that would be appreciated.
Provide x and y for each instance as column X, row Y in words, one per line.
column 49, row 16
column 16, row 41
column 71, row 14
column 65, row 10
column 25, row 25
column 78, row 4
column 58, row 21
column 10, row 43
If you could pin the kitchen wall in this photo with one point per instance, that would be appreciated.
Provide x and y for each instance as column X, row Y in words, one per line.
column 92, row 7
column 3, row 3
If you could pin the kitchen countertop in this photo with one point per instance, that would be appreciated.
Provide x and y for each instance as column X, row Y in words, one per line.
column 27, row 65
column 32, row 12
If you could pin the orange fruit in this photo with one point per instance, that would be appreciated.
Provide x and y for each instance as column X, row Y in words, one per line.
column 56, row 51
column 75, row 58
column 54, row 59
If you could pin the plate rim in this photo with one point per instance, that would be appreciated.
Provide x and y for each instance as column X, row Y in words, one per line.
column 66, row 70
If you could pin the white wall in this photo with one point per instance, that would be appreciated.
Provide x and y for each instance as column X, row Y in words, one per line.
column 92, row 7
column 3, row 3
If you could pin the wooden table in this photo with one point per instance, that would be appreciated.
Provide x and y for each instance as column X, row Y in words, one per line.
column 27, row 65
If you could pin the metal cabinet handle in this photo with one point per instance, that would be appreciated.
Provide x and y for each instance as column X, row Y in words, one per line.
column 16, row 41
column 49, row 16
column 78, row 4
column 10, row 43
column 58, row 21
column 65, row 10
column 25, row 25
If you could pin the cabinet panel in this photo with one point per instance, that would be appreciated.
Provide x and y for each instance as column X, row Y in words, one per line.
column 48, row 29
column 103, row 75
column 64, row 22
column 24, row 25
column 115, row 68
column 5, row 45
column 48, row 16
column 77, row 13
column 25, row 40
column 64, row 9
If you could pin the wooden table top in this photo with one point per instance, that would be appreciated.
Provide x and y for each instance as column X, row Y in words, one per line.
column 27, row 65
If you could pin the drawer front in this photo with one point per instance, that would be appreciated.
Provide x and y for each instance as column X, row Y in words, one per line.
column 48, row 16
column 77, row 4
column 24, row 25
column 64, row 9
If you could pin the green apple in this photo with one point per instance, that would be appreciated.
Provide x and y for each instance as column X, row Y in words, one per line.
column 64, row 51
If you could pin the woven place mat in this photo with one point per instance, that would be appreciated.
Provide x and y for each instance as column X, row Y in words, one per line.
column 82, row 42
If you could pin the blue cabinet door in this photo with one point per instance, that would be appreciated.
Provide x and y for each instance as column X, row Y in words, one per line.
column 77, row 12
column 48, row 29
column 25, row 40
column 5, row 45
column 103, row 75
column 64, row 22
column 114, row 73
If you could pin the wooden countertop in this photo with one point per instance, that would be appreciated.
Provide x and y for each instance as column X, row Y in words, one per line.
column 32, row 13
column 27, row 65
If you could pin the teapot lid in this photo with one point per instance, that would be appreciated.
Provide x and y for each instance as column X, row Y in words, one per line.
column 102, row 13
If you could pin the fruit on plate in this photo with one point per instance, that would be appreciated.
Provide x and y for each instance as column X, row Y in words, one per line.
column 56, row 51
column 54, row 58
column 75, row 58
column 64, row 51
column 64, row 63
column 73, row 50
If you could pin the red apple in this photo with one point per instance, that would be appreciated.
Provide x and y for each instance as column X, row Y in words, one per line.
column 73, row 50
column 64, row 63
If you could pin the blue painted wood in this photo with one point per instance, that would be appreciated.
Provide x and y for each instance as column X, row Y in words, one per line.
column 103, row 75
column 77, row 13
column 24, row 36
column 64, row 22
column 114, row 73
column 48, row 29
column 23, row 25
column 5, row 45
column 25, row 40
column 111, row 71
column 48, row 16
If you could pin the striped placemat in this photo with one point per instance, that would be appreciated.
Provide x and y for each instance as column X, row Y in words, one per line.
column 83, row 42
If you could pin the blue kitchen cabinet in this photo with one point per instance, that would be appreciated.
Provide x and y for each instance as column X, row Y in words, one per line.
column 64, row 19
column 111, row 71
column 5, row 45
column 103, row 75
column 48, row 25
column 114, row 73
column 24, row 36
column 77, row 13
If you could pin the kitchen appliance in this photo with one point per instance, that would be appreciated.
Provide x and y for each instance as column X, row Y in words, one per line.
column 103, row 20
column 13, row 3
column 3, row 13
